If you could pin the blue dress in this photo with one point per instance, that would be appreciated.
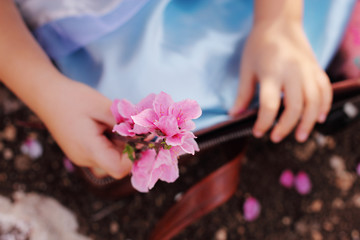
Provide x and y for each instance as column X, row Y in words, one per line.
column 187, row 48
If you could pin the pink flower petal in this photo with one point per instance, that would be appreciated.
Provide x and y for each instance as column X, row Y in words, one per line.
column 146, row 118
column 187, row 125
column 115, row 111
column 303, row 183
column 141, row 171
column 146, row 103
column 287, row 178
column 68, row 165
column 126, row 109
column 175, row 140
column 176, row 151
column 185, row 110
column 168, row 125
column 165, row 168
column 124, row 129
column 252, row 209
column 190, row 146
column 137, row 129
column 358, row 169
column 162, row 103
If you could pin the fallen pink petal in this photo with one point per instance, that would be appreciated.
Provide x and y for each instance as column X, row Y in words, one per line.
column 287, row 178
column 68, row 165
column 252, row 209
column 303, row 183
column 32, row 148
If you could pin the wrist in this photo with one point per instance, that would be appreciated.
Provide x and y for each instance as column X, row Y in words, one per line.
column 278, row 12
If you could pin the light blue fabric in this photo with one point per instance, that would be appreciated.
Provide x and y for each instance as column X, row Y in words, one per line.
column 187, row 48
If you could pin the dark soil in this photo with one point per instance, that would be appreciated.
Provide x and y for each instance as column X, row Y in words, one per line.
column 330, row 211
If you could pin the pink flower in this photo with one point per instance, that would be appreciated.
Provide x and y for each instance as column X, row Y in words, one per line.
column 303, row 183
column 171, row 120
column 123, row 111
column 151, row 168
column 287, row 178
column 251, row 209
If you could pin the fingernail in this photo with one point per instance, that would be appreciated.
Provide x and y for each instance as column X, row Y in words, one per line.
column 276, row 138
column 257, row 133
column 322, row 118
column 302, row 136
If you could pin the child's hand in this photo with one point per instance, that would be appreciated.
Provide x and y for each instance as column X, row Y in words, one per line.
column 77, row 117
column 280, row 58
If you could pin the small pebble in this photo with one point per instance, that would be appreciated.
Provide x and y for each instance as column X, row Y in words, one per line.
column 9, row 133
column 316, row 205
column 286, row 221
column 330, row 142
column 114, row 227
column 22, row 163
column 178, row 196
column 356, row 200
column 335, row 219
column 328, row 226
column 338, row 203
column 344, row 181
column 3, row 177
column 316, row 235
column 301, row 228
column 221, row 234
column 355, row 234
column 320, row 139
column 8, row 154
column 337, row 163
column 305, row 151
column 350, row 110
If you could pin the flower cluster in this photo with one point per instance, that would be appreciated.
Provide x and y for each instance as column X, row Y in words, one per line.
column 157, row 131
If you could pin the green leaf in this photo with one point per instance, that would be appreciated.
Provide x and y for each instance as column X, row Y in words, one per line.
column 129, row 150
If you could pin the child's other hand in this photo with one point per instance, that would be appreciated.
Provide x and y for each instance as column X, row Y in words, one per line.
column 77, row 117
column 280, row 58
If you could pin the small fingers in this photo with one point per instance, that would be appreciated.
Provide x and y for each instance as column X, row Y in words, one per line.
column 293, row 101
column 326, row 96
column 270, row 97
column 110, row 159
column 311, row 111
column 246, row 91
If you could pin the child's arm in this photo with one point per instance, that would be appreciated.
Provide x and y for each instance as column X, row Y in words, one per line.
column 75, row 114
column 278, row 55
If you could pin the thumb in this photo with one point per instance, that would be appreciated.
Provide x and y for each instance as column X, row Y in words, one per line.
column 246, row 91
column 110, row 158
